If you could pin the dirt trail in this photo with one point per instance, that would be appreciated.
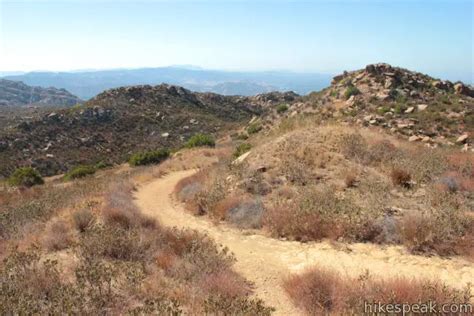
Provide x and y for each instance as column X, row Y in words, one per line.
column 265, row 260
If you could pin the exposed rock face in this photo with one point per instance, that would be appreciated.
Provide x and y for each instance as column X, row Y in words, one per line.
column 15, row 93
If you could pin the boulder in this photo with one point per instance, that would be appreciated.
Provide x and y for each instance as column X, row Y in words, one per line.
column 461, row 139
column 241, row 158
column 350, row 101
column 442, row 84
column 461, row 88
column 382, row 96
column 422, row 107
column 414, row 138
column 410, row 109
column 336, row 79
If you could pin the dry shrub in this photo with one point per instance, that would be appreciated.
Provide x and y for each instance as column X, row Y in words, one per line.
column 284, row 221
column 119, row 243
column 322, row 291
column 400, row 177
column 215, row 190
column 465, row 245
column 319, row 213
column 222, row 208
column 119, row 208
column 22, row 208
column 315, row 291
column 187, row 188
column 244, row 212
column 285, row 192
column 165, row 260
column 83, row 219
column 442, row 232
column 58, row 236
column 454, row 181
column 381, row 151
column 354, row 147
column 350, row 179
column 221, row 305
column 226, row 283
column 201, row 257
column 417, row 232
column 463, row 163
column 32, row 285
column 423, row 164
column 247, row 213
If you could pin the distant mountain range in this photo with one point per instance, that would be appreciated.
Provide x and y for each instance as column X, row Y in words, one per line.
column 14, row 93
column 87, row 84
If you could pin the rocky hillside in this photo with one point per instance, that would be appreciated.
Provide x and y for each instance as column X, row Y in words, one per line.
column 122, row 121
column 16, row 93
column 408, row 104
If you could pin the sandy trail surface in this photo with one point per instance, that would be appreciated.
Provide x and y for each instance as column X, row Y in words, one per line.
column 266, row 261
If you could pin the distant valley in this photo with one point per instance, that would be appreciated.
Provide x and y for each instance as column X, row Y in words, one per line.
column 87, row 84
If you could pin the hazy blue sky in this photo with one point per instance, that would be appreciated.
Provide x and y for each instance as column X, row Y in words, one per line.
column 431, row 36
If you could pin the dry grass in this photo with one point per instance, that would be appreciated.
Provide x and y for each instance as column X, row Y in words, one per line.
column 322, row 291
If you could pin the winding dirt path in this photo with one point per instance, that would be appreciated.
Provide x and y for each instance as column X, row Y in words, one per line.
column 265, row 260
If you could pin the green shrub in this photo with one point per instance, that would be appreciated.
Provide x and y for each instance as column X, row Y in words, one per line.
column 241, row 149
column 102, row 165
column 350, row 91
column 200, row 140
column 282, row 108
column 79, row 172
column 242, row 136
column 254, row 128
column 149, row 157
column 26, row 177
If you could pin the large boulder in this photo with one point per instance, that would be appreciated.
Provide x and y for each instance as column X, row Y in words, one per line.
column 461, row 88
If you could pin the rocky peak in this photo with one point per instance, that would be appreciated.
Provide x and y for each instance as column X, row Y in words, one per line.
column 386, row 79
column 410, row 104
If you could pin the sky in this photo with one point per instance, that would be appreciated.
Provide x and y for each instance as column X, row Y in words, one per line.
column 430, row 36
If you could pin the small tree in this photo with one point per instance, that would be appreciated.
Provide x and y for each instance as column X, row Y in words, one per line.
column 26, row 177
